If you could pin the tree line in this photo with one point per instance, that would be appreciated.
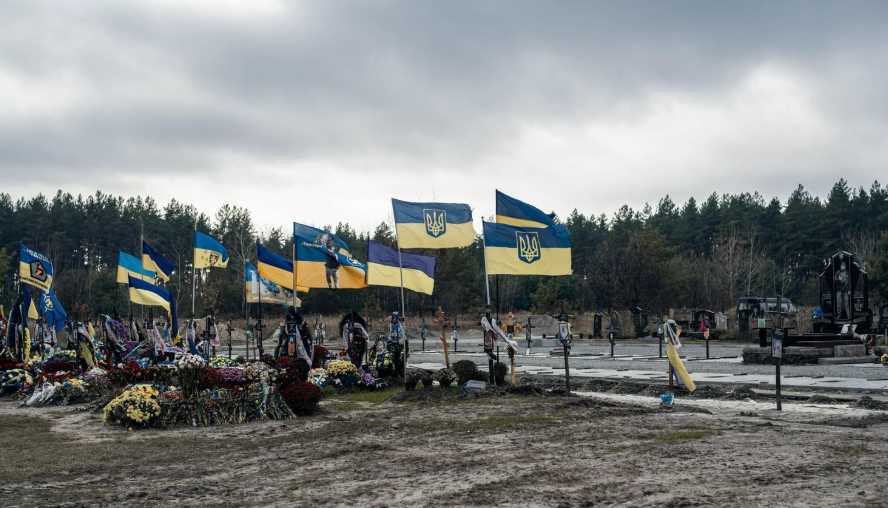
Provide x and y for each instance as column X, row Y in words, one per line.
column 695, row 254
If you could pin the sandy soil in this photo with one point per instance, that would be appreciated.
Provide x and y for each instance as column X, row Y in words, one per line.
column 435, row 448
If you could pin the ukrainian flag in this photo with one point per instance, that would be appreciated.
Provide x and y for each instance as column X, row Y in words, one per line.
column 130, row 266
column 311, row 265
column 511, row 250
column 276, row 268
column 152, row 260
column 518, row 213
column 383, row 269
column 254, row 284
column 319, row 236
column 208, row 252
column 35, row 269
column 144, row 293
column 28, row 301
column 433, row 225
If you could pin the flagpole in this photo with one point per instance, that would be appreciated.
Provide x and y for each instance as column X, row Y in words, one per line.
column 294, row 267
column 401, row 271
column 484, row 261
column 403, row 306
column 258, row 308
column 193, row 268
column 142, row 252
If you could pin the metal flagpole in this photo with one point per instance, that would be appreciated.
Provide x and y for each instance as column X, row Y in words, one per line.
column 142, row 252
column 403, row 311
column 401, row 271
column 486, row 278
column 294, row 267
column 258, row 311
column 193, row 268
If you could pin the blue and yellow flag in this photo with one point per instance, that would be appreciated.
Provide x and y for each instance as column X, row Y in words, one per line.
column 131, row 266
column 145, row 293
column 208, row 252
column 276, row 268
column 326, row 266
column 433, row 225
column 383, row 269
column 152, row 260
column 320, row 236
column 258, row 288
column 28, row 303
column 35, row 269
column 515, row 212
column 510, row 250
column 52, row 311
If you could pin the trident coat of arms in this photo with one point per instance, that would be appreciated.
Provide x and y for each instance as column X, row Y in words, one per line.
column 435, row 222
column 529, row 249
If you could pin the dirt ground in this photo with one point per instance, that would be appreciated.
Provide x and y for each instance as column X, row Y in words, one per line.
column 439, row 449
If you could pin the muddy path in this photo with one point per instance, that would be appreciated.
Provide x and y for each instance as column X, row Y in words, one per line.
column 442, row 450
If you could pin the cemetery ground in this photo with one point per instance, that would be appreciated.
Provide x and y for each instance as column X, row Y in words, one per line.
column 608, row 445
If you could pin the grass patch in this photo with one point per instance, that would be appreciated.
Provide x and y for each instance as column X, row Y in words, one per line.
column 372, row 397
column 682, row 435
column 344, row 405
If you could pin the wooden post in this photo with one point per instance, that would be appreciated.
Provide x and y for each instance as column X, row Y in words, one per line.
column 444, row 343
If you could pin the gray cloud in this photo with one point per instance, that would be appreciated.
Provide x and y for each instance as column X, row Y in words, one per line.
column 619, row 101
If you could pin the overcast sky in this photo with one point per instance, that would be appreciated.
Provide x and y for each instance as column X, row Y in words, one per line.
column 321, row 111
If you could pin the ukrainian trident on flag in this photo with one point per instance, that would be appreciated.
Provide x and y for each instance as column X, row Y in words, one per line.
column 383, row 269
column 511, row 250
column 208, row 252
column 35, row 269
column 433, row 225
column 130, row 266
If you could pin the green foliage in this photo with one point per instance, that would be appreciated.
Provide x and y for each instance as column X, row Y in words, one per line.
column 700, row 253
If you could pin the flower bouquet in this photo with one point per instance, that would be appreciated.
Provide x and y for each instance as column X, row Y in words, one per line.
column 171, row 393
column 259, row 372
column 222, row 361
column 190, row 368
column 137, row 406
column 58, row 376
column 57, row 364
column 367, row 380
column 230, row 376
column 318, row 377
column 302, row 397
column 14, row 380
column 343, row 373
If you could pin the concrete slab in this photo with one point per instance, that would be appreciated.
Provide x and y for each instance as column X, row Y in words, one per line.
column 846, row 360
column 849, row 350
column 702, row 377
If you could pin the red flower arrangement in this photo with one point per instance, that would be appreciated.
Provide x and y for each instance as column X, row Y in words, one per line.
column 57, row 364
column 302, row 397
column 7, row 364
